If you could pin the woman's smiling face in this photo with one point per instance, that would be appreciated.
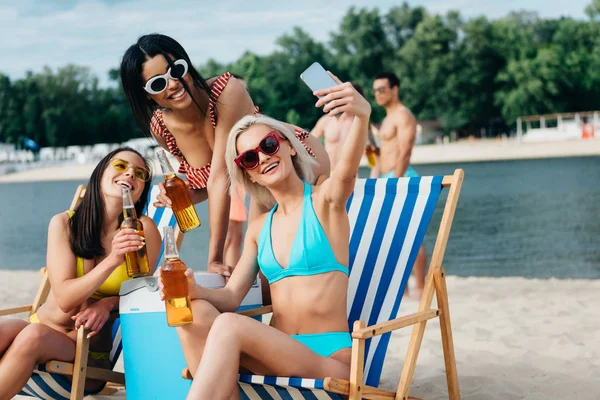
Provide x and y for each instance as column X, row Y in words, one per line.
column 174, row 96
column 271, row 168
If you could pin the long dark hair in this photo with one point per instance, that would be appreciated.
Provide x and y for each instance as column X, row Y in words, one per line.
column 131, row 74
column 88, row 219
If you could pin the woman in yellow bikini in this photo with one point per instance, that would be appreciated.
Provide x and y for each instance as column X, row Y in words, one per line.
column 86, row 266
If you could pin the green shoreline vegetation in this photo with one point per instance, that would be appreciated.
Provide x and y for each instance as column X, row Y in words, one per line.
column 473, row 75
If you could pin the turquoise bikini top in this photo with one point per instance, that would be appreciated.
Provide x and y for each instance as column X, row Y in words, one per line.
column 311, row 253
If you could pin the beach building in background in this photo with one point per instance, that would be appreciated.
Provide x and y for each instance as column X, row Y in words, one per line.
column 557, row 127
column 16, row 160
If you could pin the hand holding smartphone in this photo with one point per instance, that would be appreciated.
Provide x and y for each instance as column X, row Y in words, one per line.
column 316, row 78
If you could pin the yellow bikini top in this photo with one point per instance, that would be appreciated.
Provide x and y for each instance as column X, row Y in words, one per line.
column 112, row 285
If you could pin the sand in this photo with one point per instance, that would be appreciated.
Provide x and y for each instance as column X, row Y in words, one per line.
column 462, row 151
column 496, row 150
column 514, row 338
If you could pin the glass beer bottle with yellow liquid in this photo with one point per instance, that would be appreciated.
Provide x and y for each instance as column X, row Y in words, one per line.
column 372, row 151
column 135, row 261
column 371, row 158
column 177, row 300
column 181, row 203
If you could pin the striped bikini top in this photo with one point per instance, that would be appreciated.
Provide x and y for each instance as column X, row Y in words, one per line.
column 198, row 177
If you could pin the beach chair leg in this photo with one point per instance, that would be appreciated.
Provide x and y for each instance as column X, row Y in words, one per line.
column 416, row 338
column 357, row 364
column 447, row 341
column 80, row 364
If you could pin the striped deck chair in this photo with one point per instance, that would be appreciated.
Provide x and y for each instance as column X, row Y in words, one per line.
column 49, row 380
column 388, row 220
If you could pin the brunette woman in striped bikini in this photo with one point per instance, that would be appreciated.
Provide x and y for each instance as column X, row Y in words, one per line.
column 191, row 117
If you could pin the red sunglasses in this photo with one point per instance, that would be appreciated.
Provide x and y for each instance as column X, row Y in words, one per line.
column 269, row 145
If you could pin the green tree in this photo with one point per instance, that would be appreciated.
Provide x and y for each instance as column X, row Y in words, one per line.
column 297, row 51
column 425, row 65
column 361, row 48
column 401, row 23
column 470, row 74
column 593, row 10
column 533, row 86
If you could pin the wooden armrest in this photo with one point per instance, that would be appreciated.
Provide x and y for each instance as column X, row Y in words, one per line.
column 388, row 326
column 15, row 310
column 254, row 312
column 101, row 374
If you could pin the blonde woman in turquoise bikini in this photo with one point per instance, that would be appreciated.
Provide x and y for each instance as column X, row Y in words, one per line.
column 85, row 265
column 301, row 246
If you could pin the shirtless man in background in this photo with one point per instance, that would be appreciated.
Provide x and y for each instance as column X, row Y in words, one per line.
column 397, row 137
column 335, row 131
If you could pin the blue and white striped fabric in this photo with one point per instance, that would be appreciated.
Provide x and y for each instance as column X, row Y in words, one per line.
column 268, row 387
column 46, row 385
column 388, row 220
column 161, row 216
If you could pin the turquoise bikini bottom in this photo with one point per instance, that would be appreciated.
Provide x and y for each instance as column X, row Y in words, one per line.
column 325, row 344
column 410, row 173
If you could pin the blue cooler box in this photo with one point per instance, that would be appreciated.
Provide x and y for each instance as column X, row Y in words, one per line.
column 151, row 351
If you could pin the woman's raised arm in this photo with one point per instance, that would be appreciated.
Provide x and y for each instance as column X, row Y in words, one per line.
column 336, row 100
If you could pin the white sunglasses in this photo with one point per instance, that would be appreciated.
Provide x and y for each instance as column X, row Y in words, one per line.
column 158, row 84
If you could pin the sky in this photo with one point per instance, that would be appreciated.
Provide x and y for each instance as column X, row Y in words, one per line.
column 96, row 33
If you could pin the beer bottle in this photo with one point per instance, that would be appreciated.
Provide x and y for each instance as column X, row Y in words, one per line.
column 135, row 261
column 181, row 204
column 371, row 156
column 371, row 150
column 177, row 300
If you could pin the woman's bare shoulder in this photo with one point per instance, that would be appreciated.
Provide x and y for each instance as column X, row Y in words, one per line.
column 147, row 221
column 234, row 91
column 255, row 225
column 59, row 221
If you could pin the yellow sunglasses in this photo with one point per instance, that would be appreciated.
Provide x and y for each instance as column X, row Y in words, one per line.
column 121, row 166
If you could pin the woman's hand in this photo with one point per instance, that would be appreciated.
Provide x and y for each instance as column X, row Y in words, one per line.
column 217, row 267
column 94, row 317
column 162, row 200
column 343, row 98
column 125, row 241
column 193, row 287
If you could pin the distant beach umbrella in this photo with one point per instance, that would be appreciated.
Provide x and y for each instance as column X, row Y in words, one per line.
column 30, row 144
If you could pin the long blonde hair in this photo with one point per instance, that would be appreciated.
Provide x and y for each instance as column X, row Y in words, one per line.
column 302, row 161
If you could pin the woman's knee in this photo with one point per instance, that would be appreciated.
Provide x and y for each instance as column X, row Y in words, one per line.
column 228, row 325
column 204, row 315
column 30, row 340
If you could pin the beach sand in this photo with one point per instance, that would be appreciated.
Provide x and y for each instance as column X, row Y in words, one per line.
column 514, row 338
column 462, row 151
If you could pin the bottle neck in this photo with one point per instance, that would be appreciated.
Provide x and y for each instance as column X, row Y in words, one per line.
column 171, row 252
column 129, row 212
column 128, row 207
column 165, row 165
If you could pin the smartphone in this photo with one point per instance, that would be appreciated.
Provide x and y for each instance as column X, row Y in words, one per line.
column 316, row 78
